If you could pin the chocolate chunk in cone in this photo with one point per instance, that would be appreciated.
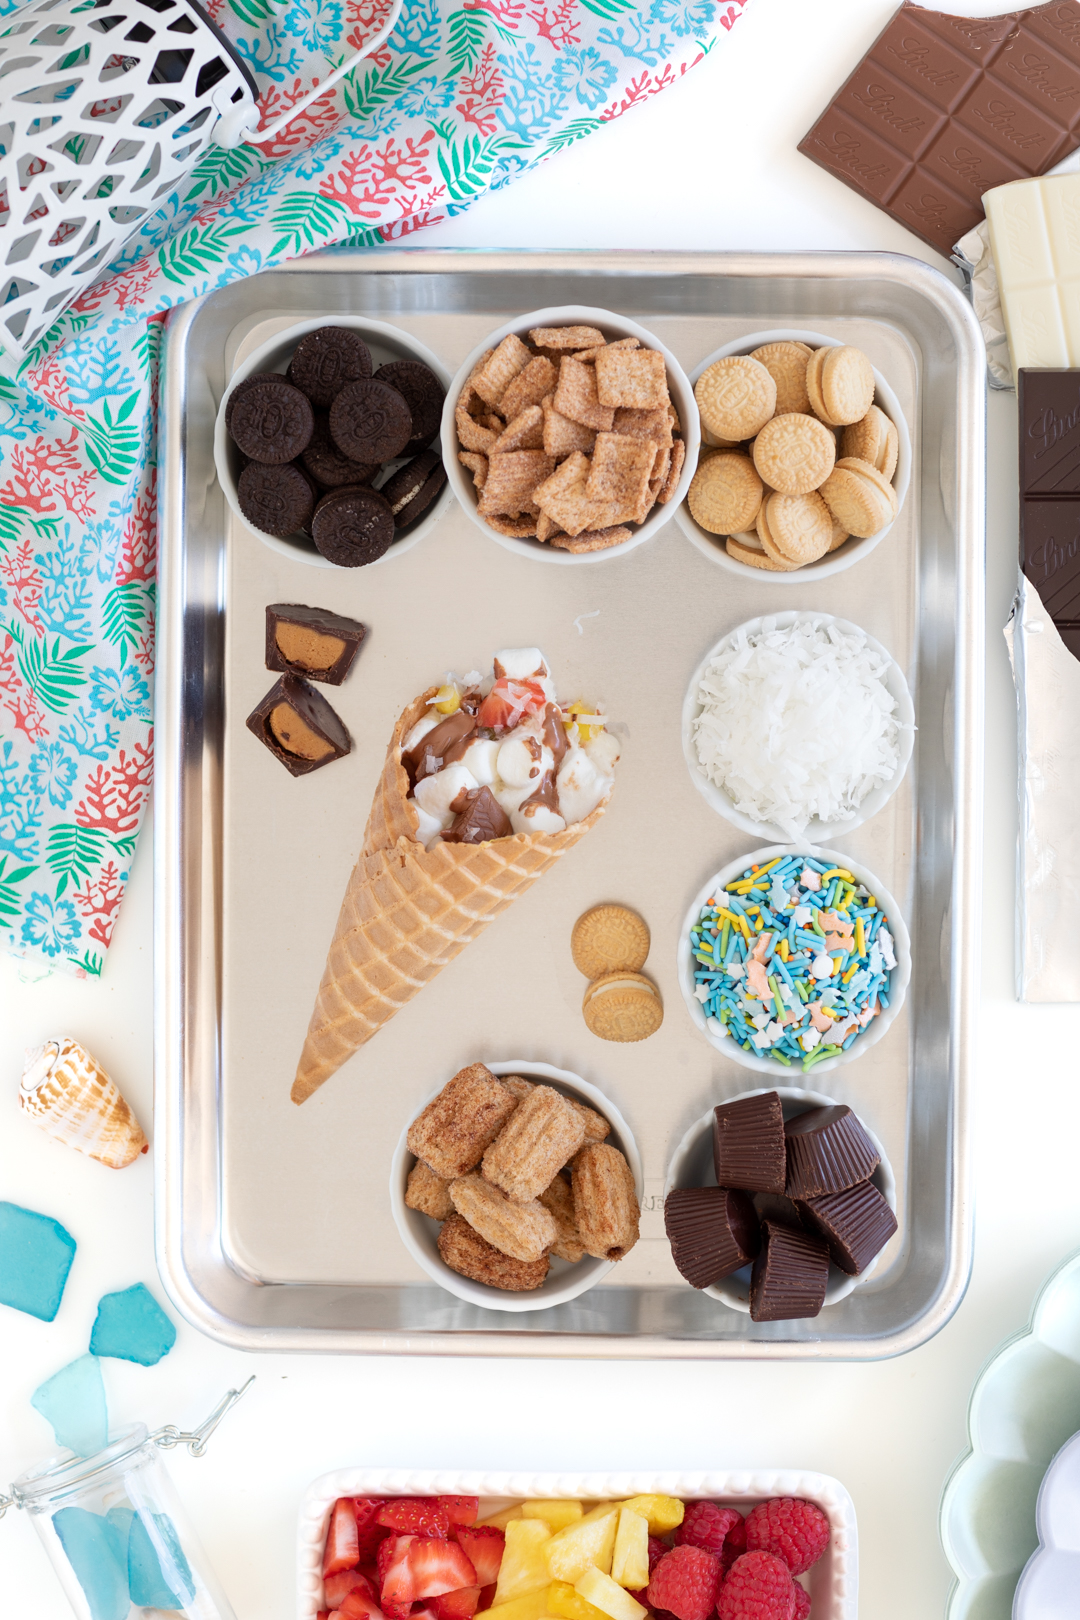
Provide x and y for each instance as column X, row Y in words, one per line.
column 790, row 1275
column 748, row 1144
column 856, row 1224
column 408, row 911
column 712, row 1231
column 827, row 1151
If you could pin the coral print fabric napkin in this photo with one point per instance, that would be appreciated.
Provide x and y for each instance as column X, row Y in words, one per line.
column 461, row 99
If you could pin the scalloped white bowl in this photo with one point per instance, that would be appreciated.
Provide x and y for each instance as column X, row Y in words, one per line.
column 692, row 1166
column 833, row 1582
column 874, row 801
column 853, row 551
column 386, row 343
column 1049, row 1588
column 898, row 983
column 564, row 1281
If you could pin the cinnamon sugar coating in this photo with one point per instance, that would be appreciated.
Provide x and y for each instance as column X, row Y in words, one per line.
column 541, row 1136
column 456, row 1126
column 466, row 1252
column 605, row 1202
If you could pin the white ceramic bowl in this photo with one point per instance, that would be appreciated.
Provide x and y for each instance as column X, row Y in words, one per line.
column 834, row 562
column 692, row 1166
column 386, row 343
column 1049, row 1586
column 898, row 981
column 875, row 800
column 612, row 326
column 564, row 1281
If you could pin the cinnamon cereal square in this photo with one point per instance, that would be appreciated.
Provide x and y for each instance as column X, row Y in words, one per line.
column 576, row 396
column 538, row 378
column 499, row 371
column 621, row 468
column 634, row 378
column 512, row 482
column 562, row 436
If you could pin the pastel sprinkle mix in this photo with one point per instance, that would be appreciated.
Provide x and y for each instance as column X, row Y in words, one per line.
column 793, row 960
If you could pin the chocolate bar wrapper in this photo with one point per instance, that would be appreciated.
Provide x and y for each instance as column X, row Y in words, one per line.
column 1047, row 677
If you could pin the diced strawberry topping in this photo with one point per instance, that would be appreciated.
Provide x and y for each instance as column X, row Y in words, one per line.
column 460, row 1509
column 336, row 1588
column 359, row 1605
column 487, row 1597
column 484, row 1547
column 509, row 701
column 396, row 1584
column 459, row 1605
column 342, row 1549
column 415, row 1515
column 324, row 1614
column 437, row 1567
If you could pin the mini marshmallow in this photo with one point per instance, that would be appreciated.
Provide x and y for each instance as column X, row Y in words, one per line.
column 581, row 787
column 428, row 723
column 481, row 759
column 428, row 827
column 604, row 751
column 536, row 818
column 523, row 759
column 525, row 663
column 435, row 794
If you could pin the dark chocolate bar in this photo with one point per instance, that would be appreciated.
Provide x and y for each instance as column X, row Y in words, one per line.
column 1049, row 409
column 298, row 726
column 713, row 1231
column 942, row 108
column 748, row 1144
column 856, row 1224
column 790, row 1275
column 827, row 1151
column 311, row 642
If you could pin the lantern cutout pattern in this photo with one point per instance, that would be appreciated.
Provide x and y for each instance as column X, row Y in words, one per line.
column 105, row 107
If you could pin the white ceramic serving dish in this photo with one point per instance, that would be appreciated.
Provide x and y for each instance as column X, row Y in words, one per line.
column 874, row 801
column 564, row 1281
column 834, row 562
column 612, row 326
column 386, row 343
column 898, row 983
column 833, row 1582
column 692, row 1166
column 1025, row 1405
column 1049, row 1588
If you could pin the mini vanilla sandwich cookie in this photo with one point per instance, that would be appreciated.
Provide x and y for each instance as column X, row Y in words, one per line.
column 623, row 1007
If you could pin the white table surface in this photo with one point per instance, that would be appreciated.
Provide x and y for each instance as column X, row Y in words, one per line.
column 711, row 164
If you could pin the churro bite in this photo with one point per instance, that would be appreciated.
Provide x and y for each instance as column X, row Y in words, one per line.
column 541, row 1136
column 454, row 1130
column 467, row 1253
column 605, row 1202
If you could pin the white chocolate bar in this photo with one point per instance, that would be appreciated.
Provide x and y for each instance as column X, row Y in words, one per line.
column 1035, row 241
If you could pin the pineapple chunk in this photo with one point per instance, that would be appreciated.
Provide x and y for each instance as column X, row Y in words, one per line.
column 630, row 1560
column 530, row 1607
column 590, row 1541
column 605, row 1594
column 557, row 1515
column 566, row 1604
column 664, row 1513
column 524, row 1566
column 499, row 1521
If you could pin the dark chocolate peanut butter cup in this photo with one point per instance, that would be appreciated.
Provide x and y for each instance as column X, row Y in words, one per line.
column 748, row 1144
column 827, row 1151
column 712, row 1231
column 856, row 1224
column 790, row 1275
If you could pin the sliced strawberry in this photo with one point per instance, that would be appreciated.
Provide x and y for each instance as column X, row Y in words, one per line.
column 509, row 701
column 484, row 1547
column 459, row 1605
column 396, row 1583
column 487, row 1597
column 414, row 1515
column 342, row 1550
column 438, row 1566
column 460, row 1509
column 360, row 1605
column 324, row 1614
column 336, row 1588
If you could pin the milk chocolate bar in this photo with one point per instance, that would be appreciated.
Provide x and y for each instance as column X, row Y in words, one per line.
column 298, row 726
column 1049, row 404
column 943, row 108
column 311, row 642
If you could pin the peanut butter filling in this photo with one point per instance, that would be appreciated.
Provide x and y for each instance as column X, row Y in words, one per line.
column 295, row 735
column 310, row 649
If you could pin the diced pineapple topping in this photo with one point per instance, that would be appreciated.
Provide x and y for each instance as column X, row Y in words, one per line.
column 447, row 700
column 499, row 1521
column 590, row 1541
column 566, row 1604
column 530, row 1607
column 664, row 1513
column 630, row 1560
column 607, row 1595
column 556, row 1514
column 524, row 1566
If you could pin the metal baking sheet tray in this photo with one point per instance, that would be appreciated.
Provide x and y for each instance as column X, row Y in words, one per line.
column 274, row 1228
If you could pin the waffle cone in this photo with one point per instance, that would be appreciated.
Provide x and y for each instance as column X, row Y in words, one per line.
column 408, row 911
column 68, row 1093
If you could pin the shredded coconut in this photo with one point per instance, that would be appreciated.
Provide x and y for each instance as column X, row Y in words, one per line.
column 797, row 723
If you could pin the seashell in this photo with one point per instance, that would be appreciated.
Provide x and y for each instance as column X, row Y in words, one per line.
column 68, row 1093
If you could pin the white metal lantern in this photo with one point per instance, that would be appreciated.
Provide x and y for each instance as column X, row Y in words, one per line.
column 105, row 107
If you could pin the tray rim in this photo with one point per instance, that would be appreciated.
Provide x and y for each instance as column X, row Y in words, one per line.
column 829, row 1493
column 171, row 1029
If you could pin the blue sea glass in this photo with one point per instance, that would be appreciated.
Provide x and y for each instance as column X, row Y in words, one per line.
column 159, row 1575
column 132, row 1326
column 73, row 1402
column 35, row 1257
column 93, row 1547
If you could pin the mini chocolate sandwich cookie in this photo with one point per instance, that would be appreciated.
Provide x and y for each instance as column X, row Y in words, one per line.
column 276, row 500
column 370, row 421
column 353, row 526
column 411, row 490
column 271, row 421
column 242, row 388
column 328, row 465
column 623, row 1007
column 422, row 392
column 324, row 361
column 311, row 642
column 298, row 726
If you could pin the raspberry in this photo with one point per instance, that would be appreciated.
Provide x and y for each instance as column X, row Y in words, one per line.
column 657, row 1549
column 706, row 1526
column 759, row 1587
column 802, row 1603
column 795, row 1530
column 734, row 1544
column 685, row 1582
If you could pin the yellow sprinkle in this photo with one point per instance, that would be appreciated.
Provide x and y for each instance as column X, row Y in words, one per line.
column 836, row 963
column 851, row 972
column 837, row 871
column 871, row 902
column 782, row 950
column 860, row 937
